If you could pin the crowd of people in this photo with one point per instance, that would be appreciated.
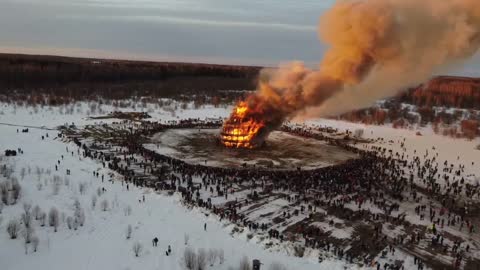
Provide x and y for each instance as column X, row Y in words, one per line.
column 388, row 180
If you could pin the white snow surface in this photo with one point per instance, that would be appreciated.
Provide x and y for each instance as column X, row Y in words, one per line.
column 101, row 242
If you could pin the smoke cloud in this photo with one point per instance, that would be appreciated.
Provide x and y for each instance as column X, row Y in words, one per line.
column 375, row 49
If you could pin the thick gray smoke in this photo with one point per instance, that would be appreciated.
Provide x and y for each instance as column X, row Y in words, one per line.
column 375, row 49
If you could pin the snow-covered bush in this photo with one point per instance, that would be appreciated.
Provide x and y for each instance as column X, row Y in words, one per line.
column 221, row 255
column 4, row 194
column 277, row 266
column 35, row 242
column 43, row 218
column 15, row 190
column 94, row 201
column 104, row 205
column 186, row 237
column 12, row 229
column 211, row 256
column 39, row 186
column 129, row 231
column 57, row 184
column 37, row 211
column 79, row 214
column 27, row 234
column 137, row 248
column 26, row 216
column 127, row 210
column 189, row 258
column 245, row 264
column 82, row 187
column 23, row 172
column 53, row 218
column 201, row 259
column 69, row 223
column 26, row 219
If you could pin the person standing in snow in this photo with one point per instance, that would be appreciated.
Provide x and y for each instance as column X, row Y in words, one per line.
column 205, row 226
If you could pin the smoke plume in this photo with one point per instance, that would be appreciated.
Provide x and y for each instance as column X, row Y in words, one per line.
column 375, row 49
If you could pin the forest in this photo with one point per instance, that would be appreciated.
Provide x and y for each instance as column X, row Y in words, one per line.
column 82, row 77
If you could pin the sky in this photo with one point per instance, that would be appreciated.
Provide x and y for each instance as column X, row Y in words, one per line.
column 247, row 32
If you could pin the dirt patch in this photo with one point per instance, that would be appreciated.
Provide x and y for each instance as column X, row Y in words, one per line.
column 282, row 151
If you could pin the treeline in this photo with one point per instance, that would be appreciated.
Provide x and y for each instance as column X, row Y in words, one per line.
column 444, row 91
column 448, row 122
column 79, row 77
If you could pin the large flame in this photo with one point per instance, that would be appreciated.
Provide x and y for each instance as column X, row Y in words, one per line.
column 241, row 130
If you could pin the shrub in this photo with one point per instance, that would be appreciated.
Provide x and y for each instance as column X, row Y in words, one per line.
column 53, row 218
column 12, row 229
column 189, row 259
column 137, row 248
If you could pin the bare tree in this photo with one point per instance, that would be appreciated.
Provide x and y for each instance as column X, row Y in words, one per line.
column 36, row 212
column 137, row 248
column 35, row 242
column 104, row 205
column 189, row 258
column 129, row 231
column 12, row 229
column 277, row 266
column 245, row 264
column 186, row 237
column 201, row 259
column 53, row 218
column 1, row 206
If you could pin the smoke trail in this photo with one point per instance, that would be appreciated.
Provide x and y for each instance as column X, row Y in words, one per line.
column 376, row 48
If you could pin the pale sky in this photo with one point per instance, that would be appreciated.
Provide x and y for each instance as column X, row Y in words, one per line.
column 252, row 32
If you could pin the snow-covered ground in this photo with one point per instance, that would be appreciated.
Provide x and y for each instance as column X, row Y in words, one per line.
column 80, row 112
column 101, row 243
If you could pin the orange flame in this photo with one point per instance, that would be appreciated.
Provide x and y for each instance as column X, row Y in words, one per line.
column 241, row 131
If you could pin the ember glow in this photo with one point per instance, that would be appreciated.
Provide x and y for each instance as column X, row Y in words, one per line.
column 241, row 130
